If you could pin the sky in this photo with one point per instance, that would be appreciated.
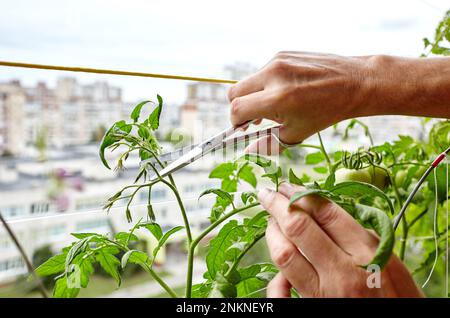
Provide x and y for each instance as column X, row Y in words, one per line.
column 198, row 38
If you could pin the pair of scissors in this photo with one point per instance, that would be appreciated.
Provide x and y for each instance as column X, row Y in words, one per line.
column 182, row 157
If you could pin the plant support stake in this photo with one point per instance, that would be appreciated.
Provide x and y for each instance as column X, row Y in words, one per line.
column 433, row 165
column 25, row 257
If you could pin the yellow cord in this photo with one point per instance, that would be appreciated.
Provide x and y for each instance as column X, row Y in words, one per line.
column 115, row 72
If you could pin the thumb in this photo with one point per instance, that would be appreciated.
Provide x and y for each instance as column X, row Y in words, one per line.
column 279, row 287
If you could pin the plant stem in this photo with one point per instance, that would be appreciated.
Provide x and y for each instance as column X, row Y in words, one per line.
column 242, row 254
column 182, row 209
column 162, row 283
column 197, row 240
column 25, row 257
column 150, row 270
column 404, row 223
column 309, row 146
column 174, row 189
column 324, row 152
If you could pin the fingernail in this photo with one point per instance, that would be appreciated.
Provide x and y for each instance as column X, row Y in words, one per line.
column 264, row 195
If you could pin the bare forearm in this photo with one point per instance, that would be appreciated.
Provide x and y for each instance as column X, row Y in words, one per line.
column 407, row 86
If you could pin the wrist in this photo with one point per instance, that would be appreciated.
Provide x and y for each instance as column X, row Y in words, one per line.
column 405, row 86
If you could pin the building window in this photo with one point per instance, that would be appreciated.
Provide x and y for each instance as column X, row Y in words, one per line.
column 57, row 230
column 40, row 207
column 13, row 211
column 11, row 264
column 157, row 195
column 93, row 224
column 89, row 203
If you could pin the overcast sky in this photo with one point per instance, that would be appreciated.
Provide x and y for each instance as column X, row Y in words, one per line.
column 199, row 37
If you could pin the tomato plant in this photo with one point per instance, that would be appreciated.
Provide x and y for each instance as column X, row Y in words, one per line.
column 371, row 184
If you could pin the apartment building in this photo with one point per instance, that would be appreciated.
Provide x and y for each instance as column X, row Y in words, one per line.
column 71, row 113
column 12, row 104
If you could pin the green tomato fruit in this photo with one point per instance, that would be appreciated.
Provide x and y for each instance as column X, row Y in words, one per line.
column 419, row 196
column 344, row 174
column 378, row 177
column 419, row 173
column 400, row 178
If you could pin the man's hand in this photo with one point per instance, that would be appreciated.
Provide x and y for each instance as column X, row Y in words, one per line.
column 307, row 92
column 318, row 247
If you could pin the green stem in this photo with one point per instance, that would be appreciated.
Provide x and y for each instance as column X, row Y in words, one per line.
column 242, row 254
column 182, row 209
column 197, row 240
column 404, row 223
column 162, row 283
column 150, row 270
column 309, row 146
column 324, row 152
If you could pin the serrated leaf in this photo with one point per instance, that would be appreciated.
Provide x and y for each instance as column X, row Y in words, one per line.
column 109, row 263
column 81, row 236
column 246, row 173
column 223, row 171
column 248, row 197
column 144, row 132
column 54, row 265
column 224, row 195
column 124, row 237
column 108, row 140
column 294, row 179
column 135, row 257
column 77, row 248
column 229, row 185
column 61, row 290
column 258, row 159
column 154, row 228
column 164, row 238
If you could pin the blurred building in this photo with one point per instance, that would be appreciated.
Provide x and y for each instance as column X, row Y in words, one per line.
column 12, row 106
column 68, row 114
column 206, row 110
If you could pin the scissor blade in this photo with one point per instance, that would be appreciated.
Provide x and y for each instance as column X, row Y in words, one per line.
column 169, row 156
column 181, row 162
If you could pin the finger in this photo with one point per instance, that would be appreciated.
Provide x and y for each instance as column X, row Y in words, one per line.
column 292, row 264
column 299, row 227
column 265, row 146
column 251, row 84
column 348, row 234
column 279, row 287
column 253, row 106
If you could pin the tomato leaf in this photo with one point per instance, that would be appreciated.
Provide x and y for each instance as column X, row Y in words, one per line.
column 246, row 173
column 154, row 117
column 109, row 264
column 314, row 158
column 164, row 238
column 224, row 195
column 223, row 171
column 135, row 257
column 61, row 290
column 294, row 179
column 53, row 265
column 378, row 221
column 137, row 110
column 355, row 189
